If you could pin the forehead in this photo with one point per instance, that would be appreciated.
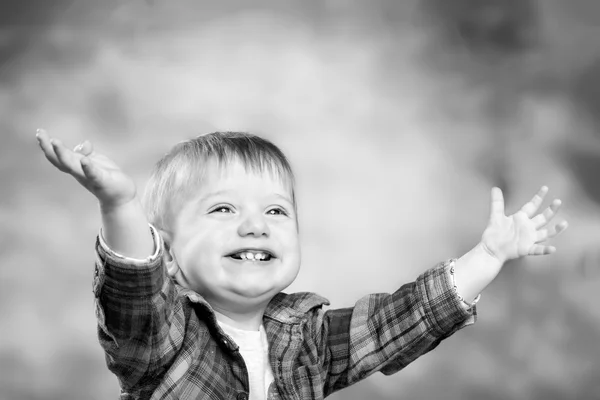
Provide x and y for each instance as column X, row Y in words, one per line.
column 234, row 174
column 213, row 178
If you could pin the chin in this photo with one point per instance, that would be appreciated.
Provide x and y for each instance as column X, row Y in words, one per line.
column 258, row 293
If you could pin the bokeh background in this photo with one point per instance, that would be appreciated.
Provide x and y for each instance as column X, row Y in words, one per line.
column 398, row 116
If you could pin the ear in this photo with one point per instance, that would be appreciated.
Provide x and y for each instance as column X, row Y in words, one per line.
column 169, row 256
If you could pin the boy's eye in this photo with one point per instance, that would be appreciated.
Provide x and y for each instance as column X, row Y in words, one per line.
column 222, row 210
column 276, row 211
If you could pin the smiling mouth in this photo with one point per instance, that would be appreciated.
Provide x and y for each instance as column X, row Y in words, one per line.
column 252, row 255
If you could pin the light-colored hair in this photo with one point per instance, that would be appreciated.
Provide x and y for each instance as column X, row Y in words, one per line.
column 179, row 173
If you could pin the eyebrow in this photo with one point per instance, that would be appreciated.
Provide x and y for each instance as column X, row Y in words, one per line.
column 284, row 198
column 213, row 194
column 224, row 192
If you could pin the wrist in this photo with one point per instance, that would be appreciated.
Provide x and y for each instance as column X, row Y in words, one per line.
column 488, row 257
column 474, row 271
column 120, row 207
column 125, row 229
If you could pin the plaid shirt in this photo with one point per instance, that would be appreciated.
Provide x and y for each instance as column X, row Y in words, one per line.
column 162, row 341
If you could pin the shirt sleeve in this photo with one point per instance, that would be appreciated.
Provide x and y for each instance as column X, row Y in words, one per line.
column 386, row 332
column 135, row 300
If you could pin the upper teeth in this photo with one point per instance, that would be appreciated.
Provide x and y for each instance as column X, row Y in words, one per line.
column 253, row 256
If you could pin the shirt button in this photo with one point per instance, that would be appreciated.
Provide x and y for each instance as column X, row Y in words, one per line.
column 242, row 396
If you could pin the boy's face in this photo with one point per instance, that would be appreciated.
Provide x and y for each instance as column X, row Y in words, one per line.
column 236, row 239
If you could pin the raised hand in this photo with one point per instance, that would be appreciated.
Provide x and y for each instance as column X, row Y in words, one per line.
column 523, row 233
column 94, row 171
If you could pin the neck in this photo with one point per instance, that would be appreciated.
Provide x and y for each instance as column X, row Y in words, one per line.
column 248, row 320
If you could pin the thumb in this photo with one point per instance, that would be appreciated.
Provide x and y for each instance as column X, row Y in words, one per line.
column 85, row 148
column 496, row 203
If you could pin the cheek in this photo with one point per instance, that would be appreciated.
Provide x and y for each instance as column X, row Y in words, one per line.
column 195, row 247
column 292, row 239
column 292, row 248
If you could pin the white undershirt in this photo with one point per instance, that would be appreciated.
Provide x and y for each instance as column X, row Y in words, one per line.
column 254, row 349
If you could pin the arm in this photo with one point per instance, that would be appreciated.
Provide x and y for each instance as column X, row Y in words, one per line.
column 125, row 229
column 135, row 299
column 386, row 332
column 141, row 316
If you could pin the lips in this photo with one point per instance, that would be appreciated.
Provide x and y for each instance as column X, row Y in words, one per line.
column 256, row 255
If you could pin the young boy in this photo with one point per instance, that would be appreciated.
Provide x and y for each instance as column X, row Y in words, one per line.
column 189, row 296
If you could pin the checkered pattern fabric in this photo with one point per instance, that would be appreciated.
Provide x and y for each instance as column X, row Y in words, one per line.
column 162, row 340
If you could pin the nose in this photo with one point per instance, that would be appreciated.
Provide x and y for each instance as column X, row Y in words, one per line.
column 254, row 225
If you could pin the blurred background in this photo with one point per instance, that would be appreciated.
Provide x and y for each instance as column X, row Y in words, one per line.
column 398, row 116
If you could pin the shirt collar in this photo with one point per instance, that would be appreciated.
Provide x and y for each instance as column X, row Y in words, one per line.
column 285, row 308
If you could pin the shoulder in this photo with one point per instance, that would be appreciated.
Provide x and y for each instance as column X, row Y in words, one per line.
column 290, row 308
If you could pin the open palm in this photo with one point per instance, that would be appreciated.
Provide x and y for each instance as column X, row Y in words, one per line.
column 523, row 233
column 94, row 171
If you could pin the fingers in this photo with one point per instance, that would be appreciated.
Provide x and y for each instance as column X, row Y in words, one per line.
column 542, row 219
column 539, row 250
column 531, row 207
column 69, row 161
column 46, row 146
column 545, row 234
column 62, row 158
column 497, row 203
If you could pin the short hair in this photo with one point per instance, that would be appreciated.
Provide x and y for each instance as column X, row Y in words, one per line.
column 179, row 173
